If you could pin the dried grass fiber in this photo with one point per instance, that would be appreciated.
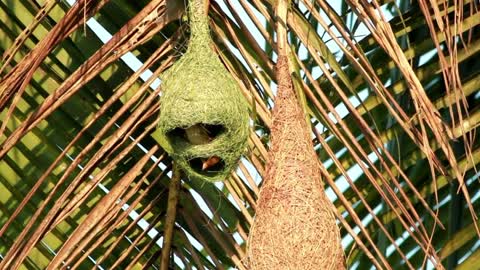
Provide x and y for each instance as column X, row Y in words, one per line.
column 198, row 89
column 294, row 227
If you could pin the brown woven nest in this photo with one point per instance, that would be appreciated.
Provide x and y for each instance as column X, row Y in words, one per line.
column 294, row 227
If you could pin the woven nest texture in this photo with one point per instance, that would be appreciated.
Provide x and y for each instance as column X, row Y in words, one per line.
column 294, row 227
column 198, row 89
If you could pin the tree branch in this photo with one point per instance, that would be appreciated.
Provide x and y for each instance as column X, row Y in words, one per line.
column 171, row 216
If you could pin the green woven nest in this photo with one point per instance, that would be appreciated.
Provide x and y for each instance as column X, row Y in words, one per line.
column 198, row 91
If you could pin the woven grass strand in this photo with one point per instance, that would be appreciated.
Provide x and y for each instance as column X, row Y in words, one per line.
column 198, row 89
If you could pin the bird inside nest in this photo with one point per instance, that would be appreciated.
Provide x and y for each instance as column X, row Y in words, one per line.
column 202, row 134
column 198, row 134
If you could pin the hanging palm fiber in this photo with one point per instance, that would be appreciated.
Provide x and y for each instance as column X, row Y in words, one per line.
column 203, row 122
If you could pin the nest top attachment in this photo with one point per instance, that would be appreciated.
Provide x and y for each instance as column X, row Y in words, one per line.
column 203, row 122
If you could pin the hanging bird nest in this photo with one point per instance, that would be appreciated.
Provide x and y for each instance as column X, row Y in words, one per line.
column 294, row 227
column 203, row 122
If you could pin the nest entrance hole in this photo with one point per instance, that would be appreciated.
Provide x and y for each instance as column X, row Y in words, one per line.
column 207, row 166
column 196, row 134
